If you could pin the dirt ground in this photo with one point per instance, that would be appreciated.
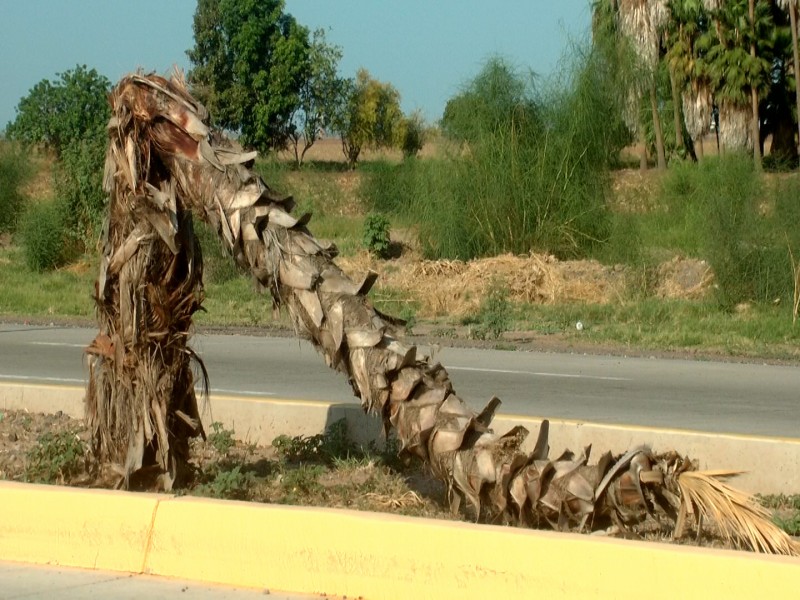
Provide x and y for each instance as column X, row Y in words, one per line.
column 53, row 448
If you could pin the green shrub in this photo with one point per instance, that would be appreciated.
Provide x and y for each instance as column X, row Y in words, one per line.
column 55, row 458
column 527, row 171
column 376, row 235
column 230, row 483
column 413, row 135
column 43, row 236
column 221, row 438
column 79, row 186
column 494, row 316
column 325, row 447
column 14, row 171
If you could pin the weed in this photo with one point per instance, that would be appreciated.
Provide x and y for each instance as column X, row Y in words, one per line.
column 376, row 235
column 302, row 480
column 321, row 448
column 786, row 511
column 494, row 316
column 56, row 458
column 221, row 438
column 233, row 484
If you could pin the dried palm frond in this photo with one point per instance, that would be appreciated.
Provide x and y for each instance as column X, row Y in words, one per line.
column 164, row 155
column 738, row 519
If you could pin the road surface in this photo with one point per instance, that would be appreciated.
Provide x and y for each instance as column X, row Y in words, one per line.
column 725, row 397
column 41, row 582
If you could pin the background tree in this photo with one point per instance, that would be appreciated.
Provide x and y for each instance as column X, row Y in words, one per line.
column 69, row 116
column 497, row 96
column 320, row 95
column 369, row 116
column 642, row 21
column 250, row 61
column 791, row 7
column 688, row 22
column 412, row 134
column 739, row 67
column 63, row 112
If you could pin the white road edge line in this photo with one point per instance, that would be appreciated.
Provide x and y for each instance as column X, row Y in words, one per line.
column 40, row 378
column 60, row 344
column 83, row 381
column 539, row 374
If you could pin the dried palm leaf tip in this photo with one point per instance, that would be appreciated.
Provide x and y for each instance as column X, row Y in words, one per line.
column 165, row 165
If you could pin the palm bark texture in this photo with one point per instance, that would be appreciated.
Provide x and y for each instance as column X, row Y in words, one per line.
column 164, row 164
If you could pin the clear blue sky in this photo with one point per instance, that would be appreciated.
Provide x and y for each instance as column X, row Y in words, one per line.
column 425, row 48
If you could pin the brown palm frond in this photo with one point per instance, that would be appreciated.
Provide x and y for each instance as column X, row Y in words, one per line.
column 141, row 401
column 737, row 517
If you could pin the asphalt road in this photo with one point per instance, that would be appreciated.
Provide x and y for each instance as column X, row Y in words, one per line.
column 726, row 397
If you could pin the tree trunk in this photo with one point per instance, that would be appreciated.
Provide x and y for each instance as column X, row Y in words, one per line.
column 643, row 163
column 793, row 21
column 676, row 110
column 660, row 152
column 754, row 95
column 207, row 174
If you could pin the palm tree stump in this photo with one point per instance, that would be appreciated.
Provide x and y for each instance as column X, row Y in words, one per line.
column 165, row 165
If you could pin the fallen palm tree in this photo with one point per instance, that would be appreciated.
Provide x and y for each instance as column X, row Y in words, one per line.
column 164, row 165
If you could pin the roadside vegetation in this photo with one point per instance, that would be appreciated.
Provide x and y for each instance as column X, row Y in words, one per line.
column 517, row 165
column 328, row 469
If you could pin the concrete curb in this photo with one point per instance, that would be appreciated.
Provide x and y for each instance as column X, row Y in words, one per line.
column 354, row 554
column 770, row 465
column 348, row 553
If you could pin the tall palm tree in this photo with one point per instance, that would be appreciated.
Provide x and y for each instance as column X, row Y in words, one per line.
column 737, row 68
column 641, row 21
column 791, row 7
column 685, row 61
column 164, row 164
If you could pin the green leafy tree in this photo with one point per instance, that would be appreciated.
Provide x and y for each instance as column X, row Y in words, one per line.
column 61, row 113
column 412, row 134
column 369, row 116
column 250, row 60
column 496, row 96
column 321, row 93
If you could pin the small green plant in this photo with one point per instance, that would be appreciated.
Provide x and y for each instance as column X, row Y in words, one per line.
column 302, row 480
column 42, row 231
column 220, row 438
column 56, row 458
column 321, row 448
column 494, row 316
column 232, row 484
column 376, row 235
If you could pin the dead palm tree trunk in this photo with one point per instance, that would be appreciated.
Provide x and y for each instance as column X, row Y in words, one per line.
column 176, row 157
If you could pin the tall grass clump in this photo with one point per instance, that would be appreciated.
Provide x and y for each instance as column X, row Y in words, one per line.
column 42, row 230
column 526, row 170
column 722, row 210
column 14, row 171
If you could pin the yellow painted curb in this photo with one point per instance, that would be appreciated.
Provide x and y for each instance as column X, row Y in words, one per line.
column 312, row 550
column 95, row 529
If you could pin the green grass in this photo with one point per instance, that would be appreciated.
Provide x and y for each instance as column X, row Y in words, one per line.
column 60, row 293
column 758, row 331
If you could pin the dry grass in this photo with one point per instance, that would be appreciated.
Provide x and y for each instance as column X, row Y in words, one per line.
column 457, row 288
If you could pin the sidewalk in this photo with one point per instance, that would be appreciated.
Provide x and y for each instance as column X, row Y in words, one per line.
column 33, row 582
